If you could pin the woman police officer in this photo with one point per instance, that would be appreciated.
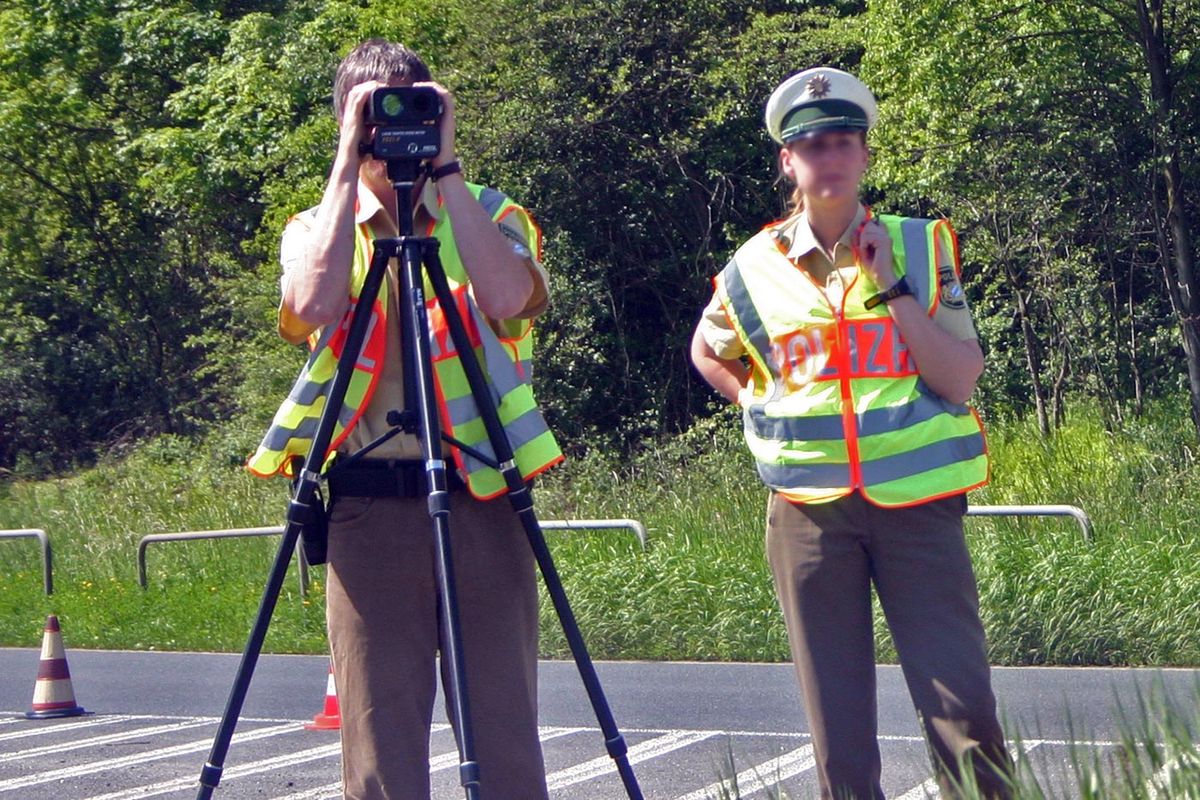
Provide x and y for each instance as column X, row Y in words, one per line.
column 861, row 355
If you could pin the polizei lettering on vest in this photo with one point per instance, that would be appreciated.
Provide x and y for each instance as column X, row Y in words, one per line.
column 874, row 348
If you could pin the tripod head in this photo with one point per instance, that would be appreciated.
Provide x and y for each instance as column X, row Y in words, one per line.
column 403, row 173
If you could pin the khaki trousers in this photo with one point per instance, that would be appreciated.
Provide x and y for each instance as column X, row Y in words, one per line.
column 384, row 631
column 824, row 558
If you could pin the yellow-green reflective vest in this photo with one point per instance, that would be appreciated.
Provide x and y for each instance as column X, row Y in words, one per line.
column 835, row 403
column 506, row 359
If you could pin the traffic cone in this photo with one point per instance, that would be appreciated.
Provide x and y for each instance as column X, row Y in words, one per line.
column 330, row 718
column 52, row 694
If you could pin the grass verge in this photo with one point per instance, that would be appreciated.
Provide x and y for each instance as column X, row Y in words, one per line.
column 699, row 591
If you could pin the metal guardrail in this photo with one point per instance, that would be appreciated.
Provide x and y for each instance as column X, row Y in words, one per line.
column 559, row 524
column 638, row 528
column 229, row 533
column 1085, row 523
column 47, row 556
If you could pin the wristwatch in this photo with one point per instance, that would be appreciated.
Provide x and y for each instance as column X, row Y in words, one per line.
column 449, row 168
column 899, row 289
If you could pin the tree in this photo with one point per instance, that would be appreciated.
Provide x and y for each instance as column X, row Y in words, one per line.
column 1024, row 120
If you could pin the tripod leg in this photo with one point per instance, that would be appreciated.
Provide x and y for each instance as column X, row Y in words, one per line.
column 299, row 511
column 439, row 507
column 522, row 502
column 210, row 775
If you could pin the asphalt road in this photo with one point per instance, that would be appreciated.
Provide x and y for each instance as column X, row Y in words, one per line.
column 155, row 714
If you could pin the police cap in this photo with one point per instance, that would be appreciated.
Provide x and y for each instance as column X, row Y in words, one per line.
column 818, row 100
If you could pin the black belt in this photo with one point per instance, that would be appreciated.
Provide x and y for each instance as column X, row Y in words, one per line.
column 380, row 478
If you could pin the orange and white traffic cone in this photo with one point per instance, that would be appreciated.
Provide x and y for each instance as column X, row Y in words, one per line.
column 52, row 694
column 330, row 718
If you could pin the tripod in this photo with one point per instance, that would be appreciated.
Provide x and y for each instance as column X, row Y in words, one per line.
column 415, row 254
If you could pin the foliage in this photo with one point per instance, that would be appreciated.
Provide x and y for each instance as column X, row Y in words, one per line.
column 152, row 153
column 1026, row 122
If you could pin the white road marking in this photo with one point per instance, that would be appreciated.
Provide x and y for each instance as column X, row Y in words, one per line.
column 929, row 789
column 1159, row 784
column 752, row 780
column 108, row 738
column 253, row 768
column 673, row 740
column 138, row 758
column 37, row 728
column 332, row 791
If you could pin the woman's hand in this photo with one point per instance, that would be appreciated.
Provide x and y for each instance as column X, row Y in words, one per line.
column 873, row 252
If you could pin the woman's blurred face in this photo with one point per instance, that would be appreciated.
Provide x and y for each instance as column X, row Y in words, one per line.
column 827, row 166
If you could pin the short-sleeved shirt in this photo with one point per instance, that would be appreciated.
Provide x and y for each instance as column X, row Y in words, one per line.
column 389, row 390
column 834, row 271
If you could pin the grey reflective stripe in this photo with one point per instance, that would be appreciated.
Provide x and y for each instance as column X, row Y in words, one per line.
column 793, row 429
column 808, row 476
column 277, row 437
column 923, row 459
column 492, row 201
column 306, row 392
column 502, row 373
column 924, row 407
column 462, row 409
column 916, row 257
column 744, row 310
column 520, row 431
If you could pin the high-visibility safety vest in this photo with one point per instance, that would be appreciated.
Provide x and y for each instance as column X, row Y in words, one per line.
column 506, row 361
column 835, row 403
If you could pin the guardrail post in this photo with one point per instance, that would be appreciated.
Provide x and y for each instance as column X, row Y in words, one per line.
column 187, row 536
column 47, row 555
column 595, row 525
column 1080, row 516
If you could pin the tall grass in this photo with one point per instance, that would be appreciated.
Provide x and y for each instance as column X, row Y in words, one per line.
column 700, row 590
column 1154, row 758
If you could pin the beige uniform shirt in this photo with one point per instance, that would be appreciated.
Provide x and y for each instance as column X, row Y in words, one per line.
column 389, row 390
column 834, row 272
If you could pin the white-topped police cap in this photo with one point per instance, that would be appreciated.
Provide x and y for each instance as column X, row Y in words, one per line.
column 816, row 100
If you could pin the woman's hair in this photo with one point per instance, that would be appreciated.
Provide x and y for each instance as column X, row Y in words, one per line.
column 797, row 197
column 378, row 60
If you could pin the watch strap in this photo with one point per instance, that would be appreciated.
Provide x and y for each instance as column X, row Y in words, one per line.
column 449, row 168
column 899, row 289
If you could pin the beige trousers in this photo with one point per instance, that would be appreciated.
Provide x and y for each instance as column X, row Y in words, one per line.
column 825, row 558
column 384, row 631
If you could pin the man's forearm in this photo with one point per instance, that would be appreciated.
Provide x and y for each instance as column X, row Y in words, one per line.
column 502, row 281
column 318, row 291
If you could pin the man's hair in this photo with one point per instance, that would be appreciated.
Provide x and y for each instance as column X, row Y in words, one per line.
column 377, row 60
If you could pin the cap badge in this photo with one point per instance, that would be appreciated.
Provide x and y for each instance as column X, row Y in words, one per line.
column 818, row 86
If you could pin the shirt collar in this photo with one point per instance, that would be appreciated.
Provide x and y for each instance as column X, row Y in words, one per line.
column 369, row 205
column 804, row 241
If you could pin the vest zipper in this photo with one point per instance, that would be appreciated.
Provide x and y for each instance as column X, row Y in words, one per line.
column 849, row 419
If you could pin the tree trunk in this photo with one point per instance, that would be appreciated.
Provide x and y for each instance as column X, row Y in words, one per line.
column 1183, row 283
column 1032, row 360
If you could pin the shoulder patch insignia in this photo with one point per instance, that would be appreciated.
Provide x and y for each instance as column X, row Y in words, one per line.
column 950, row 291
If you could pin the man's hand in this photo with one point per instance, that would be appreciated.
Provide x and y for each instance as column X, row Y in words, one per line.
column 352, row 127
column 446, row 154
